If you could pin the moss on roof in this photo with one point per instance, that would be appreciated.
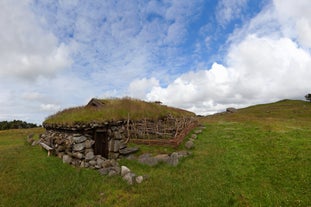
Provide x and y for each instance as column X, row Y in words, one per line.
column 115, row 109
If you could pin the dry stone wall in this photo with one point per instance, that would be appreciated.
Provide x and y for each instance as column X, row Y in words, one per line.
column 80, row 144
column 77, row 147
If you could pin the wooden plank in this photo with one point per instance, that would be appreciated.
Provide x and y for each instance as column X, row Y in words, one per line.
column 47, row 147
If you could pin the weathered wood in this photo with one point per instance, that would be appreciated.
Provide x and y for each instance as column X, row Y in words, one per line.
column 47, row 147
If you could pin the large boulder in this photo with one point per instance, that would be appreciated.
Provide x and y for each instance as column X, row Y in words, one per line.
column 147, row 159
column 231, row 110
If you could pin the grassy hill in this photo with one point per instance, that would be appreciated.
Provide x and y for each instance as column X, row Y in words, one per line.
column 259, row 156
column 115, row 109
column 279, row 115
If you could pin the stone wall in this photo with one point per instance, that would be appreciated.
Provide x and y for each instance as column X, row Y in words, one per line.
column 166, row 128
column 76, row 144
column 78, row 147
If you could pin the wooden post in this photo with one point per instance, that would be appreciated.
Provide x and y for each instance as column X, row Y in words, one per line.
column 47, row 147
column 128, row 128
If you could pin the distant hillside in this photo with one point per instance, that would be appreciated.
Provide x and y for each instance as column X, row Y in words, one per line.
column 102, row 110
column 16, row 124
column 284, row 110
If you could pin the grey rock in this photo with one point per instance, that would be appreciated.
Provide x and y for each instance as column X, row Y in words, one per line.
column 78, row 155
column 182, row 154
column 60, row 148
column 100, row 161
column 174, row 159
column 78, row 147
column 107, row 164
column 67, row 159
column 117, row 168
column 60, row 155
column 131, row 157
column 87, row 150
column 231, row 110
column 86, row 165
column 128, row 150
column 92, row 162
column 75, row 162
column 124, row 170
column 89, row 143
column 112, row 173
column 89, row 156
column 82, row 164
column 198, row 131
column 117, row 135
column 189, row 144
column 113, row 155
column 147, row 159
column 111, row 145
column 194, row 136
column 116, row 146
column 162, row 157
column 79, row 139
column 129, row 178
column 103, row 171
column 139, row 179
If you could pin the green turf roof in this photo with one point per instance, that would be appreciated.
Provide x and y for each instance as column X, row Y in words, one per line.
column 102, row 110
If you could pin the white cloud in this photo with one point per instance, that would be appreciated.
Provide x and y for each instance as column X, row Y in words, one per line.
column 258, row 69
column 227, row 10
column 139, row 88
column 49, row 107
column 295, row 18
column 26, row 50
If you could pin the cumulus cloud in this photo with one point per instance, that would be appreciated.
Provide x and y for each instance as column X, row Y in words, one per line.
column 295, row 19
column 139, row 88
column 260, row 70
column 262, row 65
column 26, row 50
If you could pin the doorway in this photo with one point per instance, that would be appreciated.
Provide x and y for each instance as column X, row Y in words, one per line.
column 101, row 143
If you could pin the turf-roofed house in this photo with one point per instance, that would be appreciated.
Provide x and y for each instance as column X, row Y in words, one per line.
column 103, row 128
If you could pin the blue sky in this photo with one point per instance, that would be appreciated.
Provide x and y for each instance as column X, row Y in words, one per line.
column 201, row 55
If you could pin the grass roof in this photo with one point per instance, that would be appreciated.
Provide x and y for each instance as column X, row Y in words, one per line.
column 115, row 109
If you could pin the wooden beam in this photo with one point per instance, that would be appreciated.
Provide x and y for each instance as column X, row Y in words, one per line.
column 47, row 147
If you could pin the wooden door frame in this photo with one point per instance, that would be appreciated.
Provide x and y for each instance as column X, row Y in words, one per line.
column 101, row 143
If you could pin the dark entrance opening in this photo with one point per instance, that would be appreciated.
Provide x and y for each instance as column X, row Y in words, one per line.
column 101, row 143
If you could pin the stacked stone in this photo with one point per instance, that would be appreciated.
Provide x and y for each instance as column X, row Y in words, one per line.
column 77, row 150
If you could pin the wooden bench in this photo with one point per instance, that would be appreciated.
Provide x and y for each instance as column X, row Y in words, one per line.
column 47, row 147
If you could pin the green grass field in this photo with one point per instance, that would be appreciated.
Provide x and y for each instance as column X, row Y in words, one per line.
column 259, row 156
